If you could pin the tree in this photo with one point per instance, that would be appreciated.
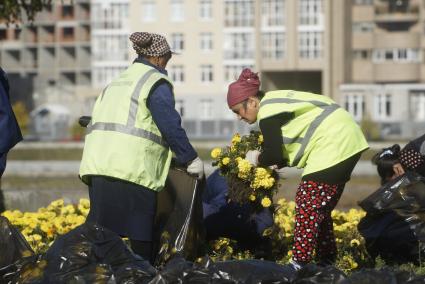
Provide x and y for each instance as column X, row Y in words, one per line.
column 12, row 11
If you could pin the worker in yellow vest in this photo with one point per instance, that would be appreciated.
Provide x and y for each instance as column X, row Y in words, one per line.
column 128, row 148
column 308, row 131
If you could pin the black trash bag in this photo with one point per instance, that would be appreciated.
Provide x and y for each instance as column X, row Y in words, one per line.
column 28, row 270
column 253, row 271
column 13, row 245
column 389, row 236
column 405, row 193
column 94, row 254
column 314, row 274
column 372, row 276
column 383, row 276
column 394, row 226
column 178, row 270
column 179, row 220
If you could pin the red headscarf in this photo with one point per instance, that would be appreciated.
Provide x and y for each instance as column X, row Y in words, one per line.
column 246, row 86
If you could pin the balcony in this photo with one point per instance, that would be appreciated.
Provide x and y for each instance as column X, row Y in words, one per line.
column 397, row 11
column 397, row 40
column 397, row 72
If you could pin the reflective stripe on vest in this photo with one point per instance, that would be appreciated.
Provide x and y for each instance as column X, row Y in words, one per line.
column 327, row 110
column 130, row 127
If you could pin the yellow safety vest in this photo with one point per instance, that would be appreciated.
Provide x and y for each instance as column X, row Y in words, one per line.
column 123, row 141
column 320, row 135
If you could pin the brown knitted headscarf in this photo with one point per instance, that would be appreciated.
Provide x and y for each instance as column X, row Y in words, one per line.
column 149, row 44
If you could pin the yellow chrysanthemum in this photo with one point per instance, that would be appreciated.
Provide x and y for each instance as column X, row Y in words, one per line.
column 215, row 153
column 236, row 138
column 225, row 161
column 252, row 197
column 260, row 139
column 266, row 202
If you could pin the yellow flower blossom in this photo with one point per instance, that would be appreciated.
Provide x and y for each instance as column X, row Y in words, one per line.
column 252, row 197
column 266, row 202
column 260, row 139
column 225, row 161
column 236, row 139
column 215, row 153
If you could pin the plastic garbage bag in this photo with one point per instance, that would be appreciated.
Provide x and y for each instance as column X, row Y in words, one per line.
column 13, row 245
column 405, row 193
column 313, row 274
column 92, row 254
column 178, row 222
column 28, row 270
column 178, row 270
column 394, row 226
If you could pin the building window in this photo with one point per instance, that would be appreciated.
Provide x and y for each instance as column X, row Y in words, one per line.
column 177, row 73
column 382, row 106
column 363, row 27
column 206, row 109
column 272, row 45
column 177, row 10
column 105, row 75
column 110, row 16
column 355, row 104
column 239, row 13
column 231, row 72
column 361, row 54
column 110, row 47
column 148, row 10
column 272, row 13
column 310, row 12
column 177, row 42
column 400, row 55
column 363, row 2
column 239, row 45
column 417, row 105
column 206, row 41
column 180, row 107
column 205, row 9
column 310, row 45
column 207, row 73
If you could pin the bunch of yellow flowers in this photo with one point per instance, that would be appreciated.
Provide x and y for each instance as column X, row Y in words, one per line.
column 42, row 227
column 247, row 183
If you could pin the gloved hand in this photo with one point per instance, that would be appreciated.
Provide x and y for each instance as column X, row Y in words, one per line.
column 252, row 156
column 196, row 167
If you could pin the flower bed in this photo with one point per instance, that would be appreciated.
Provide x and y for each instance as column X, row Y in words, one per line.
column 42, row 227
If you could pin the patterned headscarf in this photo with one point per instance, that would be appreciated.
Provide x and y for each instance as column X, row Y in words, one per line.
column 246, row 86
column 149, row 44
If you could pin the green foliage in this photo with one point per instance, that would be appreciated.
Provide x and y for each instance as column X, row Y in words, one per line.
column 77, row 131
column 22, row 116
column 370, row 129
column 12, row 11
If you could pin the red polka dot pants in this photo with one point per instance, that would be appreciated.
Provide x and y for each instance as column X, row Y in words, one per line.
column 313, row 222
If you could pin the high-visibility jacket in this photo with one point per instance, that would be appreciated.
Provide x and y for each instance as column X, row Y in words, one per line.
column 123, row 141
column 321, row 133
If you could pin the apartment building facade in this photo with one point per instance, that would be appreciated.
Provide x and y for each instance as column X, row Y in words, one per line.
column 53, row 54
column 366, row 54
column 214, row 41
column 109, row 40
column 385, row 73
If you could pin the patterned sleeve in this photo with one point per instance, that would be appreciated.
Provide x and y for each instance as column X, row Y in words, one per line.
column 412, row 155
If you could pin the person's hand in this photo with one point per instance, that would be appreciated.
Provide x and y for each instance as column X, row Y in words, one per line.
column 252, row 157
column 398, row 170
column 196, row 167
